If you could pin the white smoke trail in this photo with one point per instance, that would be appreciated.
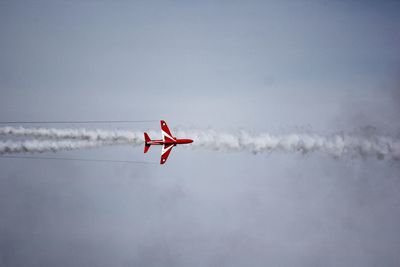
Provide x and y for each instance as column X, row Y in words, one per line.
column 337, row 145
column 133, row 137
column 51, row 139
column 40, row 146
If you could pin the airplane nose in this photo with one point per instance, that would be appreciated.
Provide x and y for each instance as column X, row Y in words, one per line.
column 190, row 141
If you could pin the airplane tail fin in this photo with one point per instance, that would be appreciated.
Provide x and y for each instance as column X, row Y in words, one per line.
column 146, row 145
column 146, row 138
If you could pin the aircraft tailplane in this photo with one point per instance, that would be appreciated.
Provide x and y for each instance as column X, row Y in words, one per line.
column 146, row 145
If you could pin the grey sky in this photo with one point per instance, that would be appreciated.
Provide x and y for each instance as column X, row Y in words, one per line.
column 276, row 66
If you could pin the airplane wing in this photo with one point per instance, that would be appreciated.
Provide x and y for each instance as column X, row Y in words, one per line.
column 165, row 152
column 166, row 133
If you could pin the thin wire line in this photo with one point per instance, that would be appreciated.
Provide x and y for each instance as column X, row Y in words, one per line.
column 60, row 122
column 80, row 159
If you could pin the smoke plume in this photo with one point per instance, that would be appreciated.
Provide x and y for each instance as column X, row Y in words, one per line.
column 337, row 145
column 40, row 146
column 133, row 137
column 379, row 146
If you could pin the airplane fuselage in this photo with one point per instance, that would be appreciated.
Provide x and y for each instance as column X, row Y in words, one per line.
column 175, row 142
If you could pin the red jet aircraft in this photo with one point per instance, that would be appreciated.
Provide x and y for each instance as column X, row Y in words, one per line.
column 167, row 142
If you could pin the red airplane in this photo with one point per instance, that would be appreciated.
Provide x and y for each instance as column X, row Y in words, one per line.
column 167, row 142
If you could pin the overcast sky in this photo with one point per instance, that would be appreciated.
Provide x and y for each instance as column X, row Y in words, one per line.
column 263, row 66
